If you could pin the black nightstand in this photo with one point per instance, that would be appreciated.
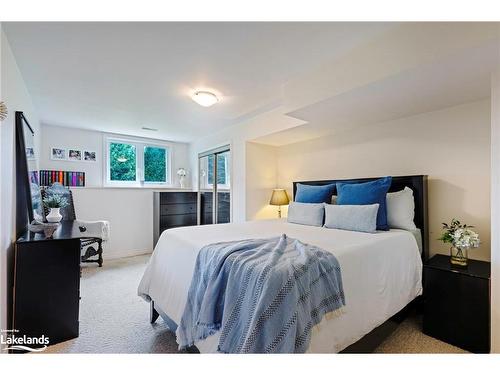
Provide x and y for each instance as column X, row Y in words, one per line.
column 457, row 303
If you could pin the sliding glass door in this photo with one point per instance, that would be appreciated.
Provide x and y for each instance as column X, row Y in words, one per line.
column 214, row 186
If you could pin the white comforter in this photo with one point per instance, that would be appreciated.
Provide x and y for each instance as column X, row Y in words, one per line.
column 381, row 273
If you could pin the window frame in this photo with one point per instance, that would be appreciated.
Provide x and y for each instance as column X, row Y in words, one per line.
column 140, row 144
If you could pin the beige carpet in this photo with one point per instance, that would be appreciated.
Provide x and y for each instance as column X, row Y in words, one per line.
column 113, row 319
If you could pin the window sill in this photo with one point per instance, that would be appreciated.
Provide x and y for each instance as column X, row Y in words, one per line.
column 152, row 188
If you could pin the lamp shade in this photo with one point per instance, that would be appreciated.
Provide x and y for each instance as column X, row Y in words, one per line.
column 279, row 198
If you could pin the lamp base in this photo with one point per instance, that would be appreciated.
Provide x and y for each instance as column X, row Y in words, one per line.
column 279, row 212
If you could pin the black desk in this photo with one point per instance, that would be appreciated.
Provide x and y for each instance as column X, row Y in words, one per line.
column 47, row 284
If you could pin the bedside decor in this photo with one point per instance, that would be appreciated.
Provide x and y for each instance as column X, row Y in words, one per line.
column 47, row 228
column 55, row 202
column 462, row 238
column 279, row 198
column 181, row 172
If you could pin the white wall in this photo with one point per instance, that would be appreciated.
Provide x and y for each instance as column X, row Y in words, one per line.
column 261, row 178
column 389, row 54
column 129, row 210
column 65, row 137
column 238, row 136
column 3, row 266
column 130, row 213
column 495, row 212
column 56, row 136
column 451, row 146
column 17, row 98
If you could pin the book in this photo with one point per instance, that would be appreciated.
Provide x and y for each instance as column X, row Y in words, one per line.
column 65, row 178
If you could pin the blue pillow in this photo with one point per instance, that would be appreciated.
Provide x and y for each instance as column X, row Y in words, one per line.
column 367, row 193
column 314, row 193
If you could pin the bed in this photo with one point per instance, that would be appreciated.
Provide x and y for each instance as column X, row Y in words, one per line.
column 382, row 272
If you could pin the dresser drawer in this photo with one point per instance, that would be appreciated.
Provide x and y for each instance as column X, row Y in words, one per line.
column 181, row 197
column 177, row 220
column 178, row 209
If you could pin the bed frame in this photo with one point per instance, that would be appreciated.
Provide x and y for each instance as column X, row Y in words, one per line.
column 418, row 183
column 370, row 341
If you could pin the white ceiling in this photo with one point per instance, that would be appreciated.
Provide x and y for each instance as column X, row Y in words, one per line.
column 118, row 77
column 457, row 79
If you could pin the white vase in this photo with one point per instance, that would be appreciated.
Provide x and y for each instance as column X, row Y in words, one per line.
column 54, row 215
column 182, row 182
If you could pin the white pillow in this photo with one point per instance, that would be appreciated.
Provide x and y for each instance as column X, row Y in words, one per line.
column 306, row 213
column 358, row 218
column 401, row 209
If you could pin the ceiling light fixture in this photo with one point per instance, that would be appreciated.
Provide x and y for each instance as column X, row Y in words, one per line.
column 205, row 98
column 150, row 129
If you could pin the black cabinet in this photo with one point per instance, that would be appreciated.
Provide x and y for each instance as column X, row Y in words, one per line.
column 457, row 303
column 172, row 210
column 46, row 289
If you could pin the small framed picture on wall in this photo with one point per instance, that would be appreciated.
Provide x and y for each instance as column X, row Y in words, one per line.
column 74, row 154
column 57, row 153
column 30, row 153
column 89, row 155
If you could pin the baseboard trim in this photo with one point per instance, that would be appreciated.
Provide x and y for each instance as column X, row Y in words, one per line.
column 124, row 254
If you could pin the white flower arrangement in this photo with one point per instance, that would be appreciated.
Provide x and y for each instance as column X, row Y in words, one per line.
column 461, row 236
column 465, row 238
column 181, row 172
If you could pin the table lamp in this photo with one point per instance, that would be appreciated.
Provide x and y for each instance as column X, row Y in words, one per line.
column 279, row 198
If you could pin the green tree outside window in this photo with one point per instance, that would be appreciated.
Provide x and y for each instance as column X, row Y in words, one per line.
column 122, row 162
column 155, row 164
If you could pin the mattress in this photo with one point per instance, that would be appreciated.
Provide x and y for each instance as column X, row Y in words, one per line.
column 381, row 272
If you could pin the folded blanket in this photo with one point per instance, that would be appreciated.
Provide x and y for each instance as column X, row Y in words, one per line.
column 264, row 295
column 94, row 229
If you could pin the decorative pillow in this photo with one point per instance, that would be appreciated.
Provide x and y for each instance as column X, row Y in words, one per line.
column 314, row 193
column 306, row 213
column 358, row 218
column 367, row 193
column 401, row 209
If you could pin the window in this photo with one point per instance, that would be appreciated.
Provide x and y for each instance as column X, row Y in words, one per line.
column 136, row 163
column 155, row 164
column 123, row 163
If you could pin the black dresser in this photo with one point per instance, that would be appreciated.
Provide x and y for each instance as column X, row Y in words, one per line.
column 457, row 303
column 172, row 210
column 46, row 290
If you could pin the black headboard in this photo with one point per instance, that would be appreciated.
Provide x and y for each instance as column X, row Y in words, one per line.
column 419, row 186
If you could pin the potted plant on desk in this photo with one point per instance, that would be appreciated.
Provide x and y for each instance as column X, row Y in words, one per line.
column 55, row 202
column 462, row 238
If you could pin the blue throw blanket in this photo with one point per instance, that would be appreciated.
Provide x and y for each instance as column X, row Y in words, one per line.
column 264, row 295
